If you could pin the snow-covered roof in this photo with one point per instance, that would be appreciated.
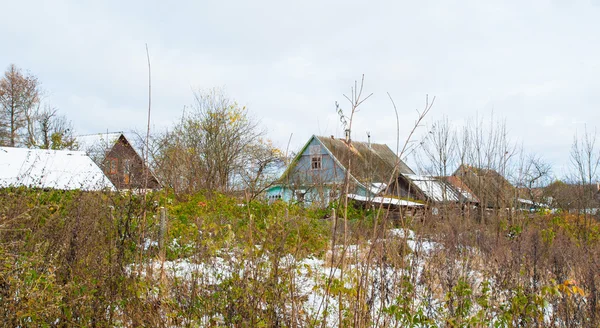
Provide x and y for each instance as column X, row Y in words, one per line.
column 531, row 203
column 104, row 140
column 96, row 145
column 56, row 169
column 434, row 188
column 385, row 200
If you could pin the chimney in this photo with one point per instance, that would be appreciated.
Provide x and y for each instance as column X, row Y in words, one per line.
column 369, row 139
column 347, row 135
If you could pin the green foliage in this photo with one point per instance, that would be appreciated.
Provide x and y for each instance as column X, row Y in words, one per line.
column 88, row 259
column 403, row 310
column 521, row 309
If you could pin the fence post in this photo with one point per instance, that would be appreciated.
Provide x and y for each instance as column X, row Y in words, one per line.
column 162, row 230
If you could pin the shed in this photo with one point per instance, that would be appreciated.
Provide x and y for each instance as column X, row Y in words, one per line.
column 119, row 159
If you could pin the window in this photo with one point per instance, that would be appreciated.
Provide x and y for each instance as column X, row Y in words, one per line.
column 113, row 165
column 315, row 162
column 300, row 195
column 127, row 171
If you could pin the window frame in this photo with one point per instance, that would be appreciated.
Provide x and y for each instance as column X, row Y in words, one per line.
column 127, row 168
column 113, row 165
column 316, row 162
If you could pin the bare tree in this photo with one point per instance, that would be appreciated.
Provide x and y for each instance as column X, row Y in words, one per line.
column 585, row 161
column 485, row 153
column 585, row 158
column 533, row 173
column 19, row 97
column 47, row 129
column 439, row 148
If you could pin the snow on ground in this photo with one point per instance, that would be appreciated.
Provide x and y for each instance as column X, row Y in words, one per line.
column 311, row 275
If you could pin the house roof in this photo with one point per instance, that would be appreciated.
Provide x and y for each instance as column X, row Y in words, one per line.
column 487, row 185
column 385, row 201
column 56, row 169
column 434, row 188
column 373, row 163
column 462, row 188
column 371, row 166
column 570, row 195
column 97, row 144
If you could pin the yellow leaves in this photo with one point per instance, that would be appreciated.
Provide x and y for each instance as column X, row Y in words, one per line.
column 567, row 289
column 235, row 116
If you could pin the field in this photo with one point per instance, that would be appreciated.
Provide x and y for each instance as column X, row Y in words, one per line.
column 101, row 259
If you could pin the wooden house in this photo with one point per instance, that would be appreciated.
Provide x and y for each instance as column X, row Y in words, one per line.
column 490, row 188
column 318, row 172
column 119, row 160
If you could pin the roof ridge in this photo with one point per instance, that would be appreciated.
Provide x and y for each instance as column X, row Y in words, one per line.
column 99, row 133
column 352, row 141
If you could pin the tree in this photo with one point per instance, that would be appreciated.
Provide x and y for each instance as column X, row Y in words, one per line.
column 585, row 161
column 19, row 98
column 207, row 149
column 533, row 173
column 50, row 130
column 263, row 163
column 585, row 157
column 439, row 148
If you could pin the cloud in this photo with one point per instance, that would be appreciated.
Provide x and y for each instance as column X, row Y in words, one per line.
column 534, row 63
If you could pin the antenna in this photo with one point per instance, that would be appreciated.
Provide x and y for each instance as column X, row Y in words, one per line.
column 369, row 139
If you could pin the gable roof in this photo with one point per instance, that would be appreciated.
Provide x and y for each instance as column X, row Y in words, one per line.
column 372, row 163
column 56, row 169
column 570, row 195
column 97, row 144
column 487, row 185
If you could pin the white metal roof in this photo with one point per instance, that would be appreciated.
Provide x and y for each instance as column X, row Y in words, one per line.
column 102, row 140
column 385, row 200
column 377, row 187
column 433, row 188
column 57, row 169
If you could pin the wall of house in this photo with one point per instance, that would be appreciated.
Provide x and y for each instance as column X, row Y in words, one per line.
column 313, row 185
column 320, row 196
column 306, row 195
column 303, row 172
column 125, row 169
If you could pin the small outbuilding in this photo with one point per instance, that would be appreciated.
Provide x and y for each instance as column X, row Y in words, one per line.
column 119, row 159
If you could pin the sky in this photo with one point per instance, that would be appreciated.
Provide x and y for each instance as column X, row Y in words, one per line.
column 534, row 64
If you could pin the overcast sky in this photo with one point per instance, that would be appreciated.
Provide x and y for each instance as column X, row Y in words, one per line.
column 535, row 64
